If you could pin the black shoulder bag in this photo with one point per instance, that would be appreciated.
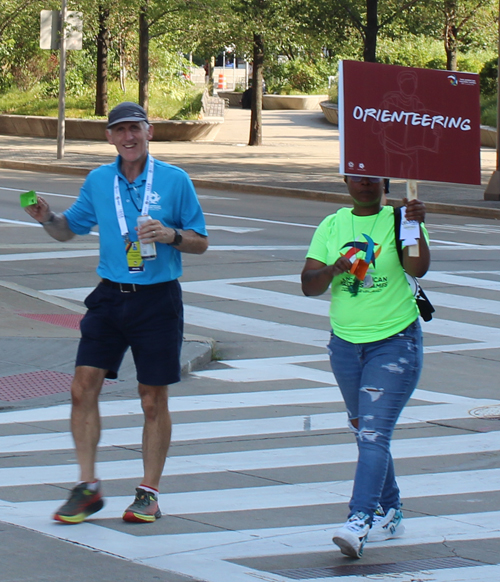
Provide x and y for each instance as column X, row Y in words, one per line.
column 424, row 305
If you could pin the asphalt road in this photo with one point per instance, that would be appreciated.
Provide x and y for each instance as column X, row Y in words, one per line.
column 261, row 464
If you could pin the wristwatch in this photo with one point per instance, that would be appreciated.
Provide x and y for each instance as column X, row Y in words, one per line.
column 177, row 238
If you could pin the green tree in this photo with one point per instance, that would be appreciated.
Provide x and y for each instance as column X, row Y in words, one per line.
column 468, row 25
column 178, row 20
column 265, row 28
column 366, row 17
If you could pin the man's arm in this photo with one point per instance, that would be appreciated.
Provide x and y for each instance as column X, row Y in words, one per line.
column 54, row 224
column 154, row 231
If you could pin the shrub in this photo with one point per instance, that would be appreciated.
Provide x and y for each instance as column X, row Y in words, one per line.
column 36, row 102
column 411, row 51
column 298, row 76
column 489, row 110
column 488, row 78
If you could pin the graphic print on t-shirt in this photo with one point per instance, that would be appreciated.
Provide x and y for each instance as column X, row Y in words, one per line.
column 360, row 266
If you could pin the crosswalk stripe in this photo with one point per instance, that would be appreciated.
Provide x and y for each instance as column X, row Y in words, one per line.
column 231, row 400
column 486, row 337
column 205, row 402
column 297, row 495
column 462, row 281
column 256, row 459
column 225, row 429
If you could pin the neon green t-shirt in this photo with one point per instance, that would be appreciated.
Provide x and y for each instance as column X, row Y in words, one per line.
column 383, row 304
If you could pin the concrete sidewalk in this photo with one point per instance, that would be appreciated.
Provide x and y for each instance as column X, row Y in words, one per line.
column 299, row 157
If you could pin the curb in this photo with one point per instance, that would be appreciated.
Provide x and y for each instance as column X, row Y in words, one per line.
column 432, row 207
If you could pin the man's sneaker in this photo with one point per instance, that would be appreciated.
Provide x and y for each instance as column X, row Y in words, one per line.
column 352, row 536
column 387, row 526
column 82, row 502
column 144, row 509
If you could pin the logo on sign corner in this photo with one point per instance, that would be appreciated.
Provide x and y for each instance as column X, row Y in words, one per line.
column 453, row 80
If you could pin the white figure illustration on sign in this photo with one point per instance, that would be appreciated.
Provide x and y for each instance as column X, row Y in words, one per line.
column 403, row 142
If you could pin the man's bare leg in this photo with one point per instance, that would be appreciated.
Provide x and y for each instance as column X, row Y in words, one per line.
column 85, row 498
column 157, row 432
column 155, row 443
column 85, row 419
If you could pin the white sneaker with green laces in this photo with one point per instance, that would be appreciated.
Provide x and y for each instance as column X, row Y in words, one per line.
column 387, row 526
column 352, row 536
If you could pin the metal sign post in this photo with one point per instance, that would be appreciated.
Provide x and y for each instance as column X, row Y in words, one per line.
column 61, row 31
column 492, row 191
column 62, row 84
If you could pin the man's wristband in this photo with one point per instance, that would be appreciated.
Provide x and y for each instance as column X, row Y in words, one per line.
column 49, row 221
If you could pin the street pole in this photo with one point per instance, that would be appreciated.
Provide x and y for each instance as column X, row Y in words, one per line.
column 492, row 191
column 62, row 83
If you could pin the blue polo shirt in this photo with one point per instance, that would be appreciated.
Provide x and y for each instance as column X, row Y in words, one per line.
column 173, row 202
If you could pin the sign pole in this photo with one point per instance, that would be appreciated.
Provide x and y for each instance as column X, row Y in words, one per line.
column 62, row 84
column 411, row 194
column 492, row 191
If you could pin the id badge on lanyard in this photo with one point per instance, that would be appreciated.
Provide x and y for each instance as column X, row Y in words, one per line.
column 133, row 249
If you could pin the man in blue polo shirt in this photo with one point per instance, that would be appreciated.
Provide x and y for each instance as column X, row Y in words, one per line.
column 137, row 304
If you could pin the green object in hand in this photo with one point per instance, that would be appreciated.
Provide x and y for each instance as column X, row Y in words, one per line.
column 28, row 198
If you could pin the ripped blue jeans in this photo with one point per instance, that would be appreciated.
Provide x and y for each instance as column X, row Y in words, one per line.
column 376, row 380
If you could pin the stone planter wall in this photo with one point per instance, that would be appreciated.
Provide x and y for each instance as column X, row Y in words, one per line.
column 488, row 136
column 94, row 129
column 330, row 111
column 233, row 97
column 297, row 102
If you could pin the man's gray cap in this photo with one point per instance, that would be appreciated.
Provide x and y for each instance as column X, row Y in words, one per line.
column 126, row 111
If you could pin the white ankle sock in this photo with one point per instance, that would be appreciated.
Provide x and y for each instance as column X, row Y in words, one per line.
column 150, row 489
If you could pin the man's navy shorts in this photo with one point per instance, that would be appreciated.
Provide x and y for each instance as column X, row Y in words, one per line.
column 149, row 321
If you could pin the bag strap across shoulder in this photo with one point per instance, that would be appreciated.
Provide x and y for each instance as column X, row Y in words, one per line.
column 397, row 228
column 424, row 305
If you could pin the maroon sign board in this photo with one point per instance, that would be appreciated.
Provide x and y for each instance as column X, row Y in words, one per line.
column 415, row 124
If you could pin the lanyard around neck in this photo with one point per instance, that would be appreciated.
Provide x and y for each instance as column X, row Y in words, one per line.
column 120, row 213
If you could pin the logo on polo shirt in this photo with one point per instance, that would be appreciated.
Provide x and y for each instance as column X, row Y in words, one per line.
column 155, row 199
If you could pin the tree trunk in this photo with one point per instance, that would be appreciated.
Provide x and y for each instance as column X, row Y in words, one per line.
column 450, row 34
column 123, row 68
column 257, row 92
column 101, row 97
column 144, row 57
column 371, row 31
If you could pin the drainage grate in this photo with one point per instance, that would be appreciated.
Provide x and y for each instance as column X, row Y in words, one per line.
column 35, row 384
column 366, row 569
column 71, row 320
column 486, row 412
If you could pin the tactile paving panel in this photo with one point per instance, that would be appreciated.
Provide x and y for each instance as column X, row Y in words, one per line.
column 35, row 384
column 70, row 320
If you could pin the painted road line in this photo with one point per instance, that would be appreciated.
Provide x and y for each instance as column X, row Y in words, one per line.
column 257, row 459
column 316, row 395
column 268, row 497
column 304, row 424
column 205, row 402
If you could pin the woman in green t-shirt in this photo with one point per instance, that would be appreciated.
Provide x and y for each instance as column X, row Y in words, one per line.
column 376, row 343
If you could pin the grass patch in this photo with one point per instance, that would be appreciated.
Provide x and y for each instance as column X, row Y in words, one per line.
column 163, row 103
